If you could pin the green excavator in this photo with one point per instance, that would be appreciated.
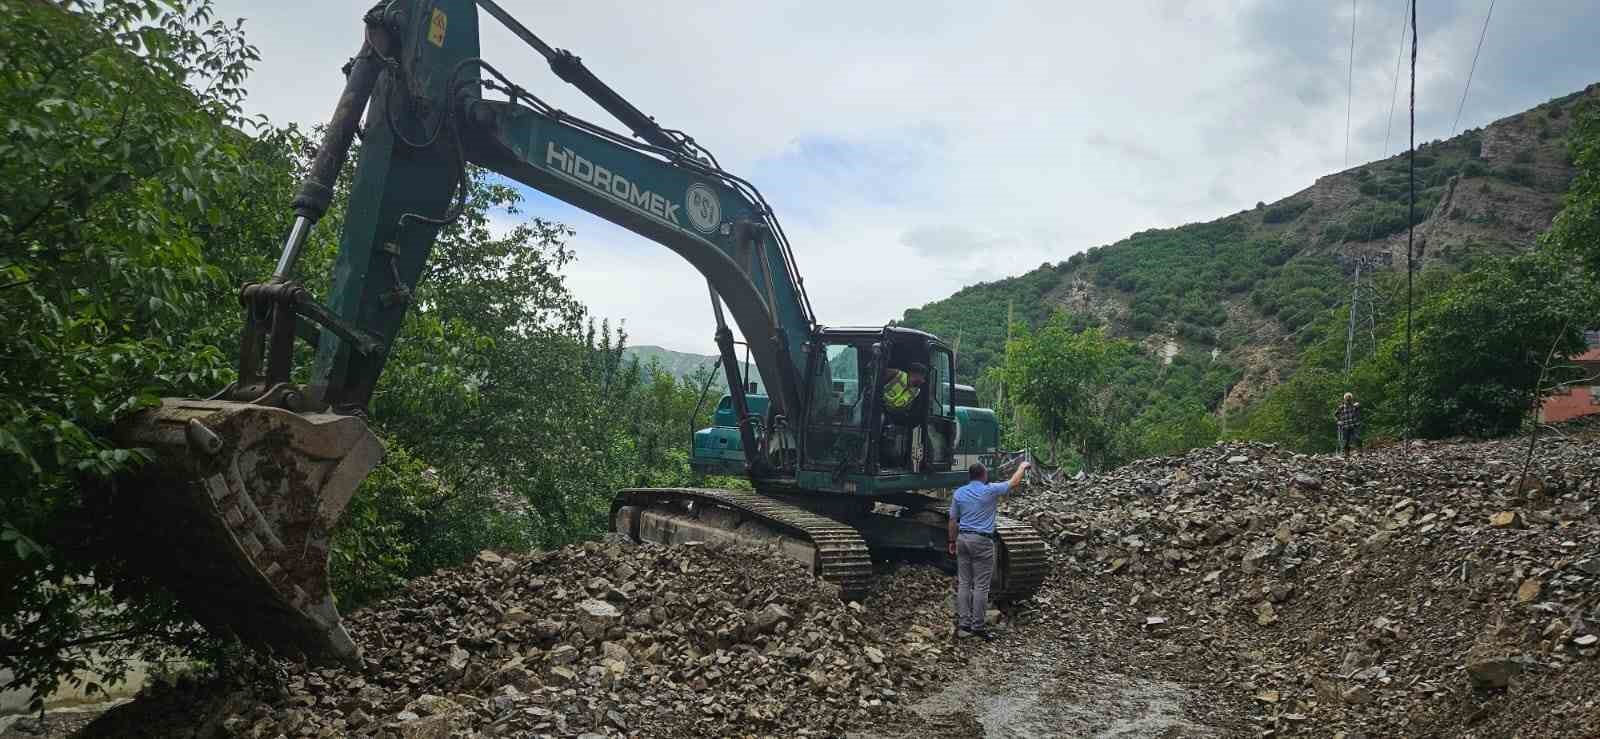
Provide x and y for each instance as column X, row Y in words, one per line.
column 235, row 515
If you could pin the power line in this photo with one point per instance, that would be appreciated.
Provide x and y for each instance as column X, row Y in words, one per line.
column 1349, row 82
column 1395, row 92
column 1411, row 219
column 1481, row 35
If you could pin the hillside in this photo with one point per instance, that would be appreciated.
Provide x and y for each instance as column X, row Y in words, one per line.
column 1231, row 295
column 681, row 365
column 677, row 364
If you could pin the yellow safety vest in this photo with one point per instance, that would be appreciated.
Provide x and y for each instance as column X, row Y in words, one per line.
column 898, row 392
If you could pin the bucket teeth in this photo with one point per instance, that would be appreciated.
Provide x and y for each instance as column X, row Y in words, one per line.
column 236, row 516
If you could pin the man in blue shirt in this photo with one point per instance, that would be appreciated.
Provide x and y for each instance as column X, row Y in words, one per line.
column 972, row 540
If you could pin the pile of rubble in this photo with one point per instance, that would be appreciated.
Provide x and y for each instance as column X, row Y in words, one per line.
column 1413, row 590
column 609, row 639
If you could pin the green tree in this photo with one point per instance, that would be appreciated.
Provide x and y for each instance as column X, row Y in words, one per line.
column 1478, row 346
column 1056, row 373
column 121, row 145
column 1576, row 230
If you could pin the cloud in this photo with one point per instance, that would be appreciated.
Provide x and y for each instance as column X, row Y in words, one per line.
column 1125, row 148
column 943, row 242
column 912, row 147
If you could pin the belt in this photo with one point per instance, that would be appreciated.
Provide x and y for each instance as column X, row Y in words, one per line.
column 984, row 534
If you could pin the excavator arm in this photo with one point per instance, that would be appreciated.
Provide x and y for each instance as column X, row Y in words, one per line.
column 429, row 117
column 236, row 515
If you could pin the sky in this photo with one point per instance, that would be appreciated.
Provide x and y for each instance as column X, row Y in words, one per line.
column 911, row 147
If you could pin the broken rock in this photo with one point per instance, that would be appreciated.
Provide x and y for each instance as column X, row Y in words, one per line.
column 1493, row 672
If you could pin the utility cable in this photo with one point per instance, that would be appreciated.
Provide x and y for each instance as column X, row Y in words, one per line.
column 1473, row 68
column 1349, row 83
column 1394, row 93
column 1411, row 219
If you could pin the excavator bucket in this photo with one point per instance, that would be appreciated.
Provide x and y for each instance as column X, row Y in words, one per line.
column 236, row 514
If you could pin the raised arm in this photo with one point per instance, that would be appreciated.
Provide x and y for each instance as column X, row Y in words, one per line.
column 1016, row 477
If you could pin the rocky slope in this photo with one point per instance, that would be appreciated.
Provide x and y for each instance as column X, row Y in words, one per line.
column 603, row 639
column 1421, row 591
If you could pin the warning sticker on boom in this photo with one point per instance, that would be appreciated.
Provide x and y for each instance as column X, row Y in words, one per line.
column 436, row 27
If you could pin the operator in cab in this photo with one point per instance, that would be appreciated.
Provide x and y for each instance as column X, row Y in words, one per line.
column 901, row 387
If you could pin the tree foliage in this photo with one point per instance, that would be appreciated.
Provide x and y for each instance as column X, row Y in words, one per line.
column 1576, row 230
column 134, row 199
column 1056, row 373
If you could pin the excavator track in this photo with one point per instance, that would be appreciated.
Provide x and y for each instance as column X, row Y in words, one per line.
column 1024, row 560
column 841, row 557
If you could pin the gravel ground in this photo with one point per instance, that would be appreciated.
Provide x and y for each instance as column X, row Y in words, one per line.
column 1238, row 590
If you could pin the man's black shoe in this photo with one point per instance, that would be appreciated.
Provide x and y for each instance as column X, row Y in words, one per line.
column 984, row 634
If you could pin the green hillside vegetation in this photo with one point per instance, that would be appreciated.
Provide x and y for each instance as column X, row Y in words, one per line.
column 1244, row 296
column 1489, row 338
column 691, row 368
column 677, row 364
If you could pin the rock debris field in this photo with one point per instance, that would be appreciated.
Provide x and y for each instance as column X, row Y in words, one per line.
column 1238, row 590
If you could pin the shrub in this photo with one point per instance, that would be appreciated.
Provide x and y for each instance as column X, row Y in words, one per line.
column 1285, row 212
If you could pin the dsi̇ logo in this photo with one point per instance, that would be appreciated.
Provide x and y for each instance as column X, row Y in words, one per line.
column 703, row 207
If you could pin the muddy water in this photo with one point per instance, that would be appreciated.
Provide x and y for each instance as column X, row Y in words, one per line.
column 1018, row 690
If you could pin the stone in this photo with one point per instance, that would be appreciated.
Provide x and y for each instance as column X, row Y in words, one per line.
column 564, row 654
column 1307, row 482
column 874, row 655
column 1238, row 459
column 1253, row 559
column 1528, row 591
column 440, row 726
column 595, row 617
column 517, row 616
column 431, row 705
column 562, row 676
column 1356, row 695
column 1265, row 614
column 768, row 619
column 1493, row 672
column 489, row 558
column 1503, row 519
column 616, row 650
column 517, row 676
column 457, row 662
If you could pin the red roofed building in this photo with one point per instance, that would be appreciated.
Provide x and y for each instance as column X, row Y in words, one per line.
column 1582, row 398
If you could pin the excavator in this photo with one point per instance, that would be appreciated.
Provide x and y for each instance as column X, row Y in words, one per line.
column 235, row 514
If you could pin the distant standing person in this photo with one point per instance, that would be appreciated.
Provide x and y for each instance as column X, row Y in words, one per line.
column 1348, row 415
column 972, row 540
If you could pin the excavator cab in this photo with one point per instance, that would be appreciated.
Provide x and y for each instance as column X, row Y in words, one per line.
column 847, row 425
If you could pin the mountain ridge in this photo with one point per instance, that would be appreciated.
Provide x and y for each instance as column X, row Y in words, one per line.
column 1239, row 289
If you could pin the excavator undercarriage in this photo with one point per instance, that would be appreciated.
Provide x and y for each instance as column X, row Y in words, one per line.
column 836, row 539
